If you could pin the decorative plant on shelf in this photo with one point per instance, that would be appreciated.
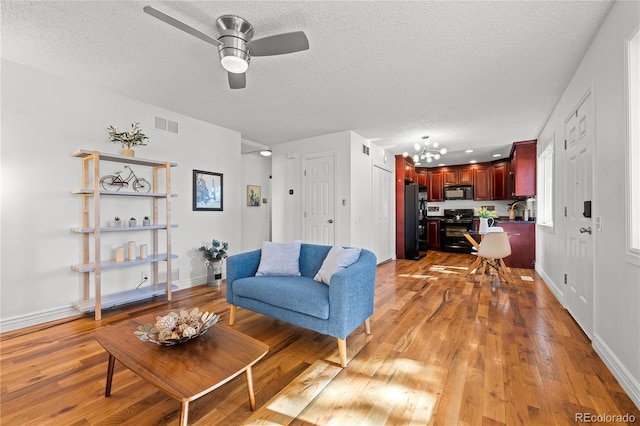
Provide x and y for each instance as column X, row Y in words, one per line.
column 132, row 222
column 116, row 221
column 484, row 213
column 146, row 221
column 128, row 139
column 215, row 251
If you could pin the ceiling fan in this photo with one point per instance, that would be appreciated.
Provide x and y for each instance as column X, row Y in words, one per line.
column 235, row 46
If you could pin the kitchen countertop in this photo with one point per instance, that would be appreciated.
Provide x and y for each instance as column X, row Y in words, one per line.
column 501, row 219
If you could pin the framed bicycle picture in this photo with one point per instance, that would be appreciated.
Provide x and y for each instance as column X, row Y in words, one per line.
column 207, row 191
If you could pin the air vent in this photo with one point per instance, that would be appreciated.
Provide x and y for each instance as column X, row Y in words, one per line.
column 166, row 125
column 365, row 149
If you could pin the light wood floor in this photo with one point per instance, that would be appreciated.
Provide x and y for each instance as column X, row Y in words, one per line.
column 442, row 351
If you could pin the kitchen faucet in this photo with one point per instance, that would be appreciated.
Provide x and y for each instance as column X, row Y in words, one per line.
column 512, row 213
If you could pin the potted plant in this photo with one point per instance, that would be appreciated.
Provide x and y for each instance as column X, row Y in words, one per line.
column 485, row 215
column 116, row 222
column 132, row 222
column 146, row 221
column 213, row 254
column 128, row 139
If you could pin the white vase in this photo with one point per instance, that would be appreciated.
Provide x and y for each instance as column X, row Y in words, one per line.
column 214, row 273
column 484, row 224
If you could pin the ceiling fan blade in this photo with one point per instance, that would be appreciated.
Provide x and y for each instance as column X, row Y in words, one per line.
column 279, row 44
column 237, row 81
column 180, row 25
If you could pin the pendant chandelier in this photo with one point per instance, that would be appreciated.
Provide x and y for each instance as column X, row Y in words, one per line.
column 428, row 151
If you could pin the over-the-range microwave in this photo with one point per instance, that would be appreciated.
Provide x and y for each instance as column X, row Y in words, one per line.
column 464, row 192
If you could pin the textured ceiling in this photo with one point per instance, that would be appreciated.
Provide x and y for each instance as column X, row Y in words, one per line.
column 472, row 74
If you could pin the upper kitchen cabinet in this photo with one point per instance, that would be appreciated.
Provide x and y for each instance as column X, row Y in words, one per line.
column 523, row 169
column 457, row 176
column 500, row 180
column 434, row 186
column 422, row 178
column 481, row 182
column 405, row 171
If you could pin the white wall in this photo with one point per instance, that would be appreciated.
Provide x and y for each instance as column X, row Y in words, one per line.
column 616, row 281
column 256, row 221
column 287, row 163
column 353, row 187
column 44, row 119
column 361, row 193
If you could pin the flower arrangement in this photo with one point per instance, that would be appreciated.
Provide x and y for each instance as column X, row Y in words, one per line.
column 484, row 213
column 174, row 328
column 217, row 250
column 128, row 139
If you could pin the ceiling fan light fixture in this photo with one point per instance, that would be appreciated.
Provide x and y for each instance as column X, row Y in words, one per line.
column 236, row 61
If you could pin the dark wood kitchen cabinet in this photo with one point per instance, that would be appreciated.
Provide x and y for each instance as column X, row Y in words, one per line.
column 435, row 190
column 433, row 234
column 500, row 180
column 523, row 168
column 482, row 183
column 422, row 178
column 523, row 244
column 452, row 176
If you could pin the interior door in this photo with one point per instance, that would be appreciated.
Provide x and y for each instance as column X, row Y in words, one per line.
column 382, row 196
column 579, row 287
column 319, row 200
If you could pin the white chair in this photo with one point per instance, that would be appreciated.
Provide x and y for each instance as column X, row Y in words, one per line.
column 491, row 229
column 493, row 249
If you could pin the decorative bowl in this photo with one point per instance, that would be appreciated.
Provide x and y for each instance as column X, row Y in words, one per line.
column 175, row 328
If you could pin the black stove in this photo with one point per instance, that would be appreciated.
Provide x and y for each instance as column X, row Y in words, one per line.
column 452, row 228
column 458, row 215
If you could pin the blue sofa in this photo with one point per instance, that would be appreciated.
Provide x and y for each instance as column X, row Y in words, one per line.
column 335, row 309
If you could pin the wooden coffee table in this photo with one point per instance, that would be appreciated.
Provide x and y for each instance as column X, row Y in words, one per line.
column 186, row 371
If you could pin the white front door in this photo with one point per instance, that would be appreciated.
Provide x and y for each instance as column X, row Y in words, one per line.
column 319, row 226
column 580, row 140
column 382, row 196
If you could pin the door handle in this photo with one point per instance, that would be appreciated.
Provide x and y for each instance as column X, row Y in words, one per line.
column 330, row 221
column 587, row 230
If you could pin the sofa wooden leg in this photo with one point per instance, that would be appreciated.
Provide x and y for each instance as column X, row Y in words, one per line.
column 342, row 351
column 232, row 314
column 367, row 326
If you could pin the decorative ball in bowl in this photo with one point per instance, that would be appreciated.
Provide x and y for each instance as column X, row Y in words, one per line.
column 175, row 328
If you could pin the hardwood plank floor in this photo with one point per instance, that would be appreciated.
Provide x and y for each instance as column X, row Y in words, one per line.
column 442, row 351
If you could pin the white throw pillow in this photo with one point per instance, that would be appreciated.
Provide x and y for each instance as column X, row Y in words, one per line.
column 279, row 259
column 337, row 259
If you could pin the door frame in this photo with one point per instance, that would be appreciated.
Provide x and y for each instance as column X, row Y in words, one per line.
column 587, row 93
column 304, row 194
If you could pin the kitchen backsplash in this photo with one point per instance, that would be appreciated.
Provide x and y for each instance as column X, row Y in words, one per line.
column 437, row 208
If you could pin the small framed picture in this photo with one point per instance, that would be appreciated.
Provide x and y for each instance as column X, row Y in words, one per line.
column 253, row 196
column 207, row 191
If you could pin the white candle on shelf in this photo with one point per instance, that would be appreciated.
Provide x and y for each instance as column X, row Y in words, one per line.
column 131, row 251
column 143, row 251
column 119, row 254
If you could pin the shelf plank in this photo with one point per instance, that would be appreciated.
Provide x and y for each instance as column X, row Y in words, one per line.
column 112, row 264
column 124, row 193
column 121, row 298
column 120, row 228
column 121, row 158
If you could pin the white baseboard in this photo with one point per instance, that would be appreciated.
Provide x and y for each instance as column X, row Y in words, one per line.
column 35, row 318
column 54, row 314
column 620, row 372
column 557, row 292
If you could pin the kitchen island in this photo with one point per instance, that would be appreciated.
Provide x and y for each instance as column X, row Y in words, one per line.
column 523, row 241
column 523, row 245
